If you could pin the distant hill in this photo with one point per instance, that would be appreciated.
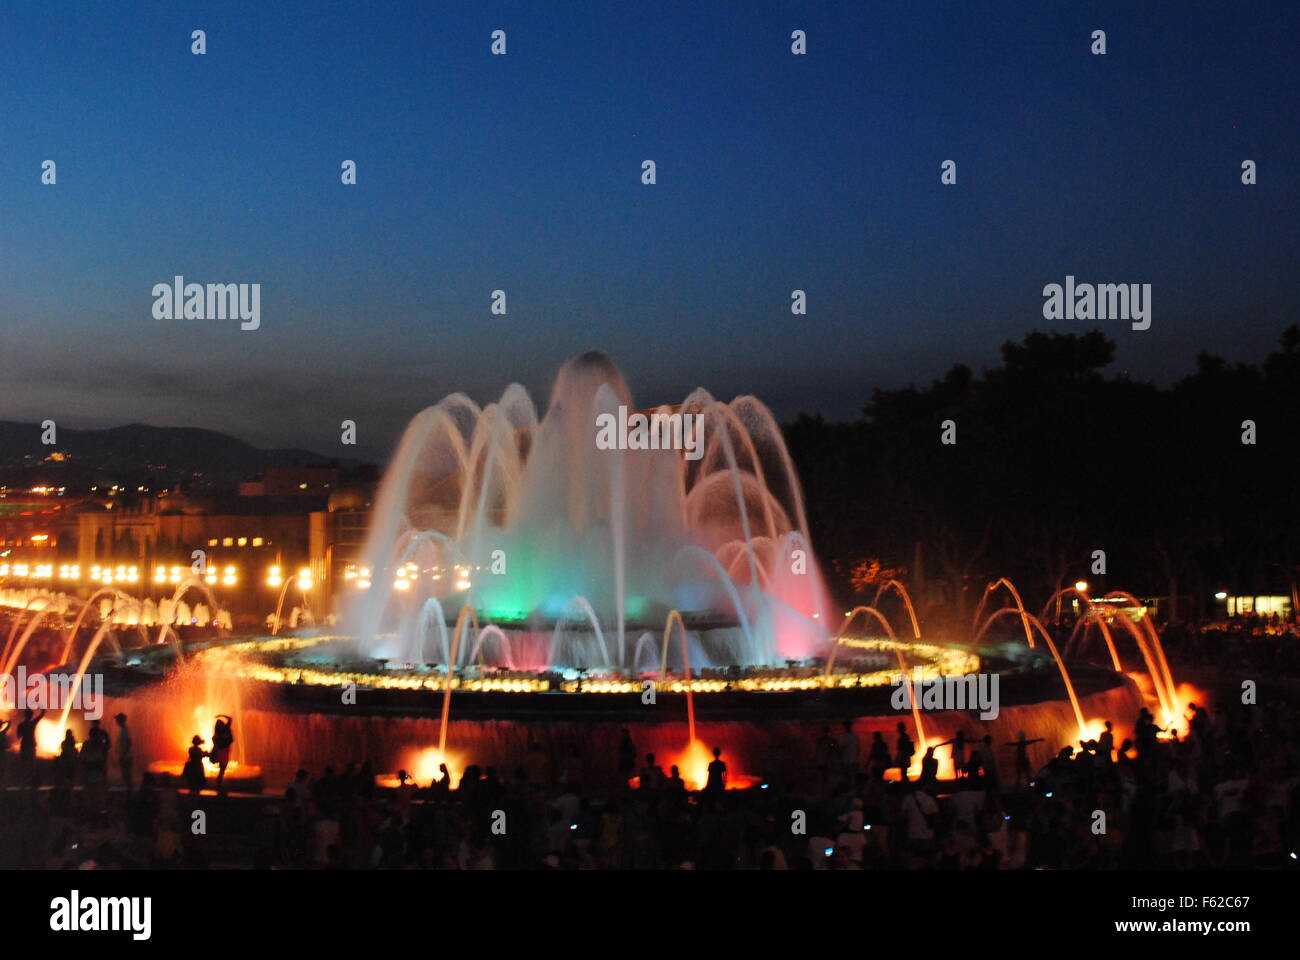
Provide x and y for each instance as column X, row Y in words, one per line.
column 162, row 453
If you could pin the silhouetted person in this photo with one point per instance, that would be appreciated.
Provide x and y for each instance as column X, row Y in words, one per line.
column 958, row 744
column 1023, row 772
column 1058, row 768
column 441, row 788
column 193, row 773
column 125, row 756
column 652, row 776
column 878, row 759
column 1146, row 733
column 676, row 786
column 1106, row 744
column 929, row 768
column 988, row 766
column 1200, row 722
column 65, row 764
column 404, row 795
column 904, row 752
column 27, row 746
column 717, row 780
column 94, row 755
column 222, row 740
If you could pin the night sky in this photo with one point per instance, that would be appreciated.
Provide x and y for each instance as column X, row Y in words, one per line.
column 522, row 172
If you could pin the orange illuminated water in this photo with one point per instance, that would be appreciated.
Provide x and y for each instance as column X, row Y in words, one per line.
column 947, row 770
column 693, row 766
column 1175, row 717
column 1168, row 701
column 234, row 769
column 240, row 778
column 423, row 767
column 49, row 739
column 1176, row 723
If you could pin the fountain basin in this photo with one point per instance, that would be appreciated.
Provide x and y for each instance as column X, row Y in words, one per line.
column 240, row 777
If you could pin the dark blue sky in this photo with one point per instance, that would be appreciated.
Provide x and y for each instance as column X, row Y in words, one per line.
column 522, row 172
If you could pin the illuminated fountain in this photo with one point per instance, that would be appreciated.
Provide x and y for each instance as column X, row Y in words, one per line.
column 185, row 695
column 193, row 696
column 1157, row 683
column 511, row 554
column 509, row 551
column 570, row 550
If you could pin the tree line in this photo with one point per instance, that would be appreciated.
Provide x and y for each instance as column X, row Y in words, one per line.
column 1186, row 489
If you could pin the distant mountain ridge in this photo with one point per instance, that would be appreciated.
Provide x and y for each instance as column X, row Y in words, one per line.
column 177, row 452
